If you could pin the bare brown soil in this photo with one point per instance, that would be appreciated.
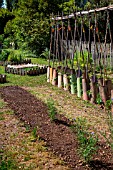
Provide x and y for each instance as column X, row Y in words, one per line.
column 58, row 136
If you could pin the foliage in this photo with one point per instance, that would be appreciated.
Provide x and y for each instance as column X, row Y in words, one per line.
column 52, row 109
column 1, row 38
column 26, row 24
column 29, row 29
column 34, row 132
column 72, row 5
column 45, row 53
column 87, row 140
column 108, row 104
column 4, row 54
column 16, row 55
column 5, row 16
column 68, row 6
column 88, row 5
column 98, row 99
column 82, row 58
column 11, row 4
column 7, row 164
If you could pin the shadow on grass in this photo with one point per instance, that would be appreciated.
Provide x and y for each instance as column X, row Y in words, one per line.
column 96, row 164
column 58, row 122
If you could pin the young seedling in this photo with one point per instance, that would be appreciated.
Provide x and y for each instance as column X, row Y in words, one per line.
column 52, row 110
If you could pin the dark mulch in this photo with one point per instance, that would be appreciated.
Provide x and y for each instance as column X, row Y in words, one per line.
column 58, row 135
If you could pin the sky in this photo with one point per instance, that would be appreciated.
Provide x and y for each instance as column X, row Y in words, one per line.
column 4, row 4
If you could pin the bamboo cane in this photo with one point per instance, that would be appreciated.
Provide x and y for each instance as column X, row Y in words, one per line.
column 62, row 58
column 48, row 69
column 105, row 47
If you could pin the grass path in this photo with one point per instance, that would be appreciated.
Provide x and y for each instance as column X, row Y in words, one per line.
column 18, row 150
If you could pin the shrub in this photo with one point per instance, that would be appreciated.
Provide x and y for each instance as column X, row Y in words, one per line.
column 15, row 55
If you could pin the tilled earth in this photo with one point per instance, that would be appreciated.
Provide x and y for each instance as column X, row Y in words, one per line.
column 58, row 135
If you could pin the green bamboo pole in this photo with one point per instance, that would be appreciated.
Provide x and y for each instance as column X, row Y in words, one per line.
column 62, row 58
column 105, row 48
column 55, row 46
column 73, row 81
column 79, row 90
column 94, row 62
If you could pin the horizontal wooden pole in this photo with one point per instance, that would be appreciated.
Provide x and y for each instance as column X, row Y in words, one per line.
column 110, row 7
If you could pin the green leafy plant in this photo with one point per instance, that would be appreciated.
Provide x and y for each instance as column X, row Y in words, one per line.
column 4, row 54
column 87, row 140
column 52, row 110
column 98, row 99
column 89, row 93
column 15, row 55
column 34, row 132
column 108, row 104
column 7, row 164
column 45, row 53
column 81, row 59
column 27, row 127
column 33, row 136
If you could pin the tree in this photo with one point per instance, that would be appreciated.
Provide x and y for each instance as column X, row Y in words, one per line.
column 11, row 4
column 30, row 27
column 5, row 16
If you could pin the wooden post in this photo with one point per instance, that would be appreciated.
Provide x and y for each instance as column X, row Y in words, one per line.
column 102, row 90
column 60, row 80
column 112, row 102
column 109, row 88
column 84, row 87
column 66, row 82
column 51, row 74
column 55, row 77
column 4, row 78
column 94, row 90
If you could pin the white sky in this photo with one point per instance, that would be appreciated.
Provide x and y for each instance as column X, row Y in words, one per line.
column 4, row 4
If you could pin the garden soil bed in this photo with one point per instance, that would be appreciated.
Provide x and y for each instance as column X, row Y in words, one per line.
column 58, row 135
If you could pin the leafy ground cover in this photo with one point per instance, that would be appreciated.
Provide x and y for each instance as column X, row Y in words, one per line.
column 18, row 144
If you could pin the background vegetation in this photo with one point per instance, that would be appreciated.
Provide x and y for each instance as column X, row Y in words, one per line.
column 25, row 25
